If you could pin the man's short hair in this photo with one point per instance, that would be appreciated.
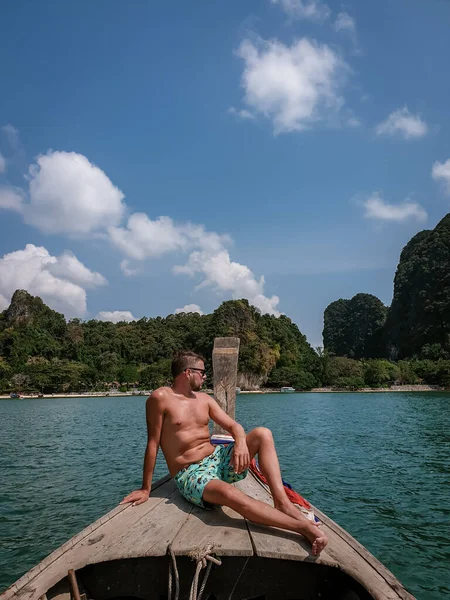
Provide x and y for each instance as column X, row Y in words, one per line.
column 183, row 360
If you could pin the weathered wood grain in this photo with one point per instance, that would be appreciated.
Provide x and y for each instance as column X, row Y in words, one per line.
column 152, row 534
column 77, row 551
column 268, row 541
column 221, row 530
column 225, row 361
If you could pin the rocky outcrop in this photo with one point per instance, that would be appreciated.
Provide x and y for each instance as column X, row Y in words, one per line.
column 22, row 308
column 26, row 310
column 420, row 312
column 250, row 381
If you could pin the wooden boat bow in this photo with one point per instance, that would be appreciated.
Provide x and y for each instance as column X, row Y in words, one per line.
column 124, row 554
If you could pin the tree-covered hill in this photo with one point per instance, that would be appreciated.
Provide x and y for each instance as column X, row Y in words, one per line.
column 419, row 317
column 352, row 327
column 40, row 351
column 417, row 324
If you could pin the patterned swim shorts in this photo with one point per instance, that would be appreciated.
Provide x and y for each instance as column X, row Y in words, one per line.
column 191, row 481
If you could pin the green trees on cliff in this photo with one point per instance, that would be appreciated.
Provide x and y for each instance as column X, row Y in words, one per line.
column 416, row 325
column 40, row 352
column 351, row 327
column 419, row 318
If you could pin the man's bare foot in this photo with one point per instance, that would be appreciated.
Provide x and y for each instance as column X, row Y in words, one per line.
column 310, row 529
column 316, row 536
column 319, row 543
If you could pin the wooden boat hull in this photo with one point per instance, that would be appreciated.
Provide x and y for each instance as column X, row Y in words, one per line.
column 238, row 578
column 124, row 555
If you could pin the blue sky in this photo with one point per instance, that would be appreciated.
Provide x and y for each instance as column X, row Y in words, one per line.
column 155, row 156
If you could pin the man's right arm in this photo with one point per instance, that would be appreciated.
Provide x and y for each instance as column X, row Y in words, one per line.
column 155, row 418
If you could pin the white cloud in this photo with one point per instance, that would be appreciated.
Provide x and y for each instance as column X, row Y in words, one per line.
column 402, row 122
column 144, row 238
column 293, row 86
column 31, row 269
column 68, row 194
column 190, row 308
column 243, row 114
column 115, row 316
column 377, row 208
column 69, row 267
column 344, row 22
column 11, row 198
column 2, row 163
column 222, row 274
column 441, row 172
column 126, row 269
column 305, row 9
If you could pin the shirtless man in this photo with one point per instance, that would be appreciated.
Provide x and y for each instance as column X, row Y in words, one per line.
column 177, row 420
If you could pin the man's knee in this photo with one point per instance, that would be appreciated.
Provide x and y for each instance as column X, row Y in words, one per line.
column 263, row 433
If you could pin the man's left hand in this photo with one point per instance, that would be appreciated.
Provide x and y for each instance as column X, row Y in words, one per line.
column 240, row 459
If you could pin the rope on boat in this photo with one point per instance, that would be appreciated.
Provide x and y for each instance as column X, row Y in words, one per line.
column 204, row 560
column 173, row 570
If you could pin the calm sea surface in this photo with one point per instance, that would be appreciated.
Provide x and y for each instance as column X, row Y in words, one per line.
column 378, row 464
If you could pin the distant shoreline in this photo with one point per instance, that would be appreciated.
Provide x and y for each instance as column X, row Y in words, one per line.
column 394, row 388
column 322, row 390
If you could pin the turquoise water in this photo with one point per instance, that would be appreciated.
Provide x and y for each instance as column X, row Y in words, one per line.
column 378, row 464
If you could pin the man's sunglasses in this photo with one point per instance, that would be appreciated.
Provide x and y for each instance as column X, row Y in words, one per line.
column 202, row 371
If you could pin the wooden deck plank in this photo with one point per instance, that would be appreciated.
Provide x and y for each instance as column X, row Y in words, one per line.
column 270, row 542
column 152, row 534
column 118, row 533
column 222, row 529
column 81, row 549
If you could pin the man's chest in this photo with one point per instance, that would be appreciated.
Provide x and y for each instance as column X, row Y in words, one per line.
column 187, row 415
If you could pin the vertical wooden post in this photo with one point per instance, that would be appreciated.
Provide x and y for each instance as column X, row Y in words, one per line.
column 225, row 361
column 75, row 592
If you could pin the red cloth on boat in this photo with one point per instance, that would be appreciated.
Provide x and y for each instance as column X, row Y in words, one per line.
column 293, row 496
